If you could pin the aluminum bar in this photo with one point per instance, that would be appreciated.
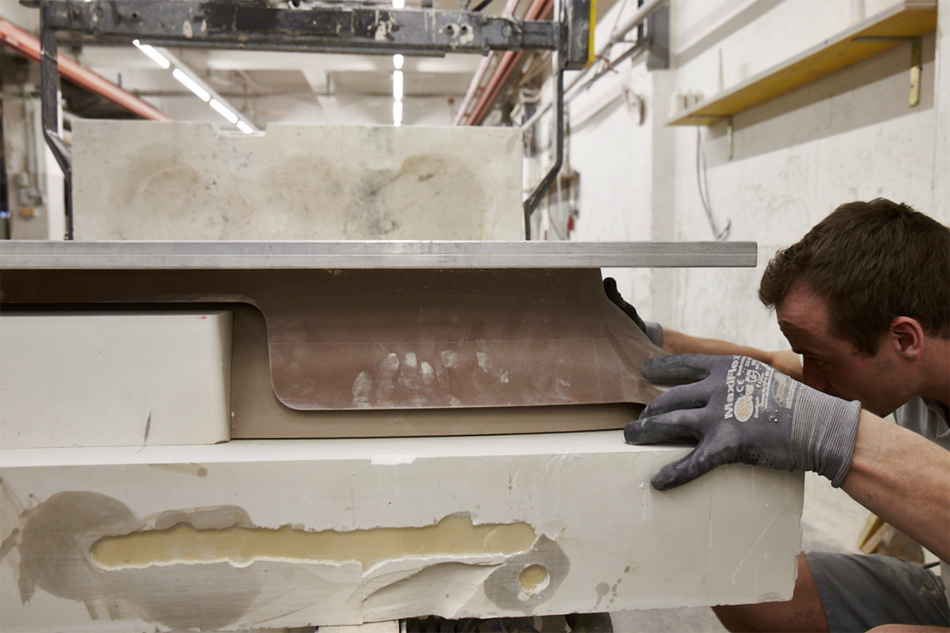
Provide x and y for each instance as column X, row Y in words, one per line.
column 117, row 255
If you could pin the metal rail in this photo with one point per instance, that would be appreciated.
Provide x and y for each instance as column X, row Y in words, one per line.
column 317, row 28
column 43, row 255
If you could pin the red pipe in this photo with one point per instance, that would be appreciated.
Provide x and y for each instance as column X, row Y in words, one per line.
column 539, row 9
column 28, row 45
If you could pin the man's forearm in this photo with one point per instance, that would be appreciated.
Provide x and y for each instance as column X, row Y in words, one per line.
column 904, row 479
column 786, row 362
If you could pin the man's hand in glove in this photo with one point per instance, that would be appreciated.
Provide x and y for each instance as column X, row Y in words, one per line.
column 744, row 411
column 653, row 330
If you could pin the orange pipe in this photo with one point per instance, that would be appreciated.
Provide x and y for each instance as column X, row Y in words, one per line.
column 508, row 63
column 28, row 45
column 539, row 9
column 475, row 84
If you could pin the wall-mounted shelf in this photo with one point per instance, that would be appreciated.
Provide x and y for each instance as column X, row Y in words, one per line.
column 906, row 20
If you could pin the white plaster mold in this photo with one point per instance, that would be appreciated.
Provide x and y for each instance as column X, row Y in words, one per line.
column 469, row 527
column 147, row 180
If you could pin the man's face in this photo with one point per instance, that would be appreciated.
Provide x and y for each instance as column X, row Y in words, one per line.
column 834, row 365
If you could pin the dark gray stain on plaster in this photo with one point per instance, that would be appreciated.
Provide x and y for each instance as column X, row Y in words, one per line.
column 54, row 543
column 504, row 588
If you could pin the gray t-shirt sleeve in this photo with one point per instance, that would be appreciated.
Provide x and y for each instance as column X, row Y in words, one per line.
column 929, row 419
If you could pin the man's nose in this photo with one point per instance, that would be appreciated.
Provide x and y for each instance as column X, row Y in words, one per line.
column 813, row 376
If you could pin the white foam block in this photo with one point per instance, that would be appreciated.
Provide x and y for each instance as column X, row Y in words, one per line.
column 572, row 523
column 114, row 379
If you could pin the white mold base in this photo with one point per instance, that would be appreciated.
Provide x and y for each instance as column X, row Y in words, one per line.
column 603, row 538
column 115, row 379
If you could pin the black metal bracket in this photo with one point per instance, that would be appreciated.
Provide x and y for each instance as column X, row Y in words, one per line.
column 49, row 95
column 323, row 28
column 257, row 24
column 533, row 200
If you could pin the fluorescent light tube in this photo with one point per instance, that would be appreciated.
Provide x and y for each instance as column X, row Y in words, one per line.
column 397, row 85
column 397, row 113
column 398, row 60
column 244, row 127
column 223, row 110
column 156, row 57
column 190, row 83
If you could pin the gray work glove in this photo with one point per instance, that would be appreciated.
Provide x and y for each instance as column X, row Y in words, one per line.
column 745, row 411
column 652, row 329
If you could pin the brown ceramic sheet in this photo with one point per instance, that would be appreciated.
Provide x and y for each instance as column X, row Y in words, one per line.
column 401, row 339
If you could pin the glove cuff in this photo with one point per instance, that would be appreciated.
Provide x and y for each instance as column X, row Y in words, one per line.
column 823, row 432
column 654, row 332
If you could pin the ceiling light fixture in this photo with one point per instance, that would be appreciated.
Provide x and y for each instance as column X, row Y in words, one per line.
column 397, row 85
column 398, row 61
column 191, row 84
column 155, row 56
column 166, row 60
column 223, row 110
column 397, row 113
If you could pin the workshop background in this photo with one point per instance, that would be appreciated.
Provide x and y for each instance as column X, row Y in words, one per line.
column 767, row 173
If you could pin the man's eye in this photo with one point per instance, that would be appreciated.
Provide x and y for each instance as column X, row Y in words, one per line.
column 817, row 362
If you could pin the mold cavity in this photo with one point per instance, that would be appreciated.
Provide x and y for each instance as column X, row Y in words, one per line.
column 454, row 536
column 533, row 580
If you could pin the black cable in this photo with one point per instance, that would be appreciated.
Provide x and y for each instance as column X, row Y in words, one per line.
column 481, row 5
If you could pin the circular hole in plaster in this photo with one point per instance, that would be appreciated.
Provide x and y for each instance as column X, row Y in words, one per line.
column 533, row 580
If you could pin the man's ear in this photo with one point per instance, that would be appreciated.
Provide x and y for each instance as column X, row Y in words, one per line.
column 908, row 337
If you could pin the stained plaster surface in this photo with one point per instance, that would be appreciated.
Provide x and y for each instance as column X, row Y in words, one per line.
column 114, row 378
column 186, row 181
column 532, row 524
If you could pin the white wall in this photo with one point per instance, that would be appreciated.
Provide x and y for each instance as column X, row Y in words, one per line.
column 850, row 136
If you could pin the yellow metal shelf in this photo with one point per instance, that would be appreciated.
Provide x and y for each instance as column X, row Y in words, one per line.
column 909, row 19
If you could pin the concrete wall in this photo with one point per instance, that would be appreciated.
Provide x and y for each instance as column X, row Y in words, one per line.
column 849, row 136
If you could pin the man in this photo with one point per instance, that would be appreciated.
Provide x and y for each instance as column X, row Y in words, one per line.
column 864, row 298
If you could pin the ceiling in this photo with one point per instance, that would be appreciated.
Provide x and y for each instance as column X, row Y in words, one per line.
column 269, row 85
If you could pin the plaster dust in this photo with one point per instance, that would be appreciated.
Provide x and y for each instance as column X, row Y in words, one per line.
column 454, row 536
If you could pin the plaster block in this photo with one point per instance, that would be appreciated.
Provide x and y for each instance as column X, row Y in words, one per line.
column 182, row 181
column 114, row 379
column 290, row 533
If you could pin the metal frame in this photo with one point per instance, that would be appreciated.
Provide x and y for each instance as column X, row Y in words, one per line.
column 202, row 255
column 246, row 24
column 323, row 28
column 49, row 94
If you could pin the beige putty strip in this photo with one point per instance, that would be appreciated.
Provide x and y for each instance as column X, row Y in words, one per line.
column 453, row 536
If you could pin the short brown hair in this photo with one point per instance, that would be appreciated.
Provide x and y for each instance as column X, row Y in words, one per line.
column 871, row 262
